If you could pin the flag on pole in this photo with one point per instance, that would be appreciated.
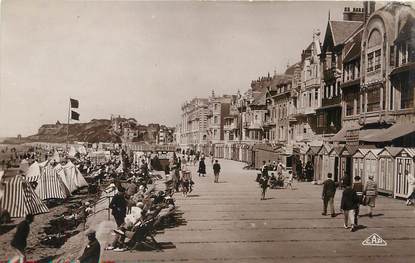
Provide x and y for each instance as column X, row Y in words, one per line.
column 74, row 104
column 74, row 115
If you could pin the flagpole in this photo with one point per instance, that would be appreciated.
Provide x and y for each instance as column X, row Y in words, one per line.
column 67, row 127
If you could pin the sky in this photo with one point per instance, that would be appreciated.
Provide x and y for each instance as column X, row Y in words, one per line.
column 141, row 59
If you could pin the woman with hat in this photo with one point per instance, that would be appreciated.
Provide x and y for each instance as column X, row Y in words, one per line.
column 371, row 192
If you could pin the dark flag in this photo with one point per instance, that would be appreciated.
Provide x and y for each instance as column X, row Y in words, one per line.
column 74, row 115
column 74, row 103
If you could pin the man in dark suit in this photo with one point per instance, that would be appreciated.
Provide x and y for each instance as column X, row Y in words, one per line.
column 329, row 190
column 92, row 250
column 119, row 207
column 349, row 204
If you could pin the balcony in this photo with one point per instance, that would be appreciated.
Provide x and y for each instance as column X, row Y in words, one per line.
column 331, row 101
column 312, row 82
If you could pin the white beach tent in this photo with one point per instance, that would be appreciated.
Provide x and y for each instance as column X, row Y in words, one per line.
column 50, row 184
column 82, row 150
column 72, row 151
column 33, row 172
column 19, row 198
column 24, row 165
column 73, row 177
column 61, row 173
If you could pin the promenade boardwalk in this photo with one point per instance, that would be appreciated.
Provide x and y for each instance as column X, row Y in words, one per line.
column 228, row 222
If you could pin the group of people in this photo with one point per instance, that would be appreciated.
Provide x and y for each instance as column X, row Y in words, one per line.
column 267, row 177
column 353, row 197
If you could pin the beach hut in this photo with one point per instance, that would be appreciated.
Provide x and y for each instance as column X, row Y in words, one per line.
column 334, row 166
column 321, row 166
column 19, row 198
column 346, row 160
column 50, row 185
column 358, row 162
column 387, row 158
column 371, row 163
column 404, row 162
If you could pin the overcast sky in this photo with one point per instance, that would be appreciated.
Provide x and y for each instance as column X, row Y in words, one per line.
column 139, row 59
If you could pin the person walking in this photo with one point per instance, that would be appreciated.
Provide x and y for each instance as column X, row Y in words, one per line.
column 371, row 192
column 216, row 171
column 119, row 207
column 358, row 187
column 92, row 251
column 349, row 204
column 329, row 190
column 202, row 167
column 290, row 180
column 19, row 241
column 264, row 185
column 411, row 188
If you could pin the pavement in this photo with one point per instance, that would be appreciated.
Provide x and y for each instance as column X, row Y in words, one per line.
column 227, row 222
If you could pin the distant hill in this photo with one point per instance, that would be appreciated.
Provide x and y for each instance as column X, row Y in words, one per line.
column 93, row 131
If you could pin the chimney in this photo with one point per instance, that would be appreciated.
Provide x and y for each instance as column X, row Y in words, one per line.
column 355, row 14
column 369, row 8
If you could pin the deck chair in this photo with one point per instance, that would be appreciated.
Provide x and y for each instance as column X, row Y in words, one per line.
column 144, row 235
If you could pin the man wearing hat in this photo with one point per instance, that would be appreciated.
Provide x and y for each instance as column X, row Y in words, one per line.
column 93, row 250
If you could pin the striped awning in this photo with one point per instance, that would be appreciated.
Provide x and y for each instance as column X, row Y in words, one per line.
column 50, row 185
column 19, row 199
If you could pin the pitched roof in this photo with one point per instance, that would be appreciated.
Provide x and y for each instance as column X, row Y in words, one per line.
column 343, row 29
column 290, row 70
column 259, row 99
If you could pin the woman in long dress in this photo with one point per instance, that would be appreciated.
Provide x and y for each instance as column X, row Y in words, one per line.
column 202, row 167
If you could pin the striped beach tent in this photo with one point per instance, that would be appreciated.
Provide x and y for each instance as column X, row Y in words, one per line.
column 19, row 198
column 61, row 173
column 33, row 172
column 50, row 185
column 73, row 177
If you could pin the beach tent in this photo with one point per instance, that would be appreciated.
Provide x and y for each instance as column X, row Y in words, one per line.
column 72, row 151
column 24, row 165
column 19, row 198
column 33, row 172
column 56, row 157
column 82, row 150
column 61, row 173
column 50, row 184
column 73, row 177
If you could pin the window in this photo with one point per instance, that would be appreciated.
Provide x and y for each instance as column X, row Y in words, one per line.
column 309, row 99
column 320, row 120
column 305, row 130
column 370, row 62
column 407, row 93
column 316, row 94
column 215, row 106
column 373, row 99
column 349, row 100
column 377, row 59
column 215, row 119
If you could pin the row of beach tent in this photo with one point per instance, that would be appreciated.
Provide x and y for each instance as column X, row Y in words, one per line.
column 52, row 182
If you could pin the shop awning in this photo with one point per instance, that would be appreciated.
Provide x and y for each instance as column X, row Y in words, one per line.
column 389, row 134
